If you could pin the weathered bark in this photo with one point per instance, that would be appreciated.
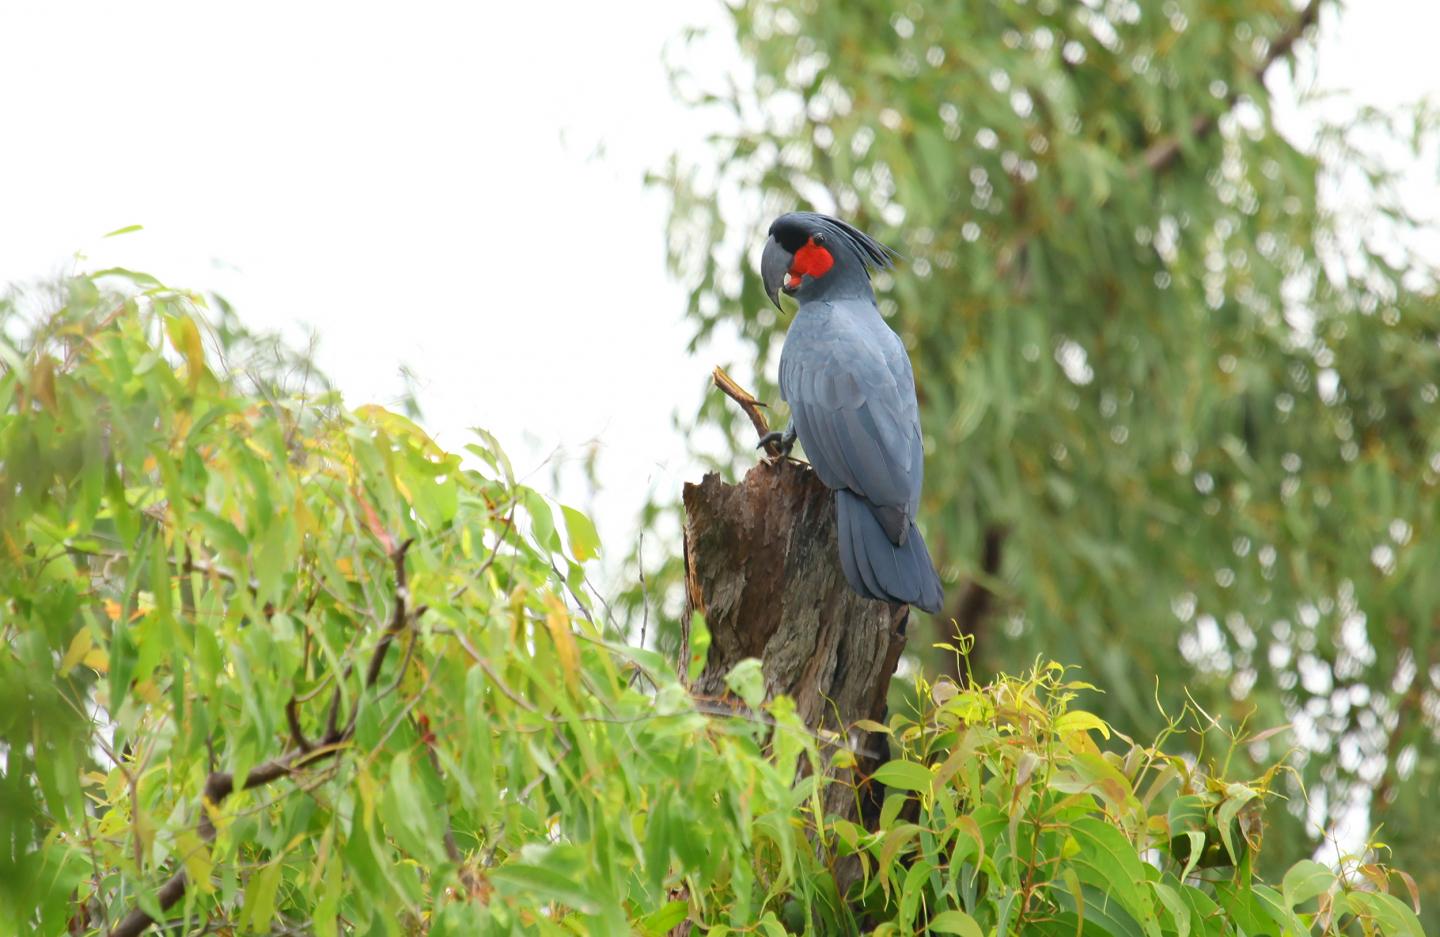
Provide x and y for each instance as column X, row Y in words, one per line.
column 761, row 564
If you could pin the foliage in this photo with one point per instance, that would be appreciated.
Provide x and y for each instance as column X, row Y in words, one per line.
column 1181, row 418
column 186, row 563
column 1005, row 816
column 381, row 667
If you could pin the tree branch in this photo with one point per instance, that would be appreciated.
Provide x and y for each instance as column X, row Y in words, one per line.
column 1164, row 153
column 292, row 716
column 977, row 599
column 221, row 784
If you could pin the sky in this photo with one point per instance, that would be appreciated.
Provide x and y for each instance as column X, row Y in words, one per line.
column 457, row 188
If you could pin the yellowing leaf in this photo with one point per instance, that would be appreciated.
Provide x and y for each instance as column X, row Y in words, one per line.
column 97, row 659
column 895, row 840
column 113, row 611
column 366, row 785
column 194, row 853
column 185, row 336
column 80, row 645
column 557, row 621
column 304, row 517
column 1077, row 720
column 584, row 541
column 42, row 382
column 699, row 646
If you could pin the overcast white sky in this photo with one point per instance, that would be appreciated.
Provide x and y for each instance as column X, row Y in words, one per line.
column 445, row 185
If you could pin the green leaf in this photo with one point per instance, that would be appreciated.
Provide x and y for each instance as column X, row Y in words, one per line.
column 223, row 535
column 665, row 918
column 895, row 840
column 535, row 882
column 1244, row 907
column 584, row 541
column 914, row 888
column 260, row 895
column 1393, row 915
column 1238, row 796
column 904, row 775
column 1305, row 880
column 327, row 909
column 955, row 922
column 747, row 681
column 144, row 280
column 410, row 814
column 542, row 518
column 1097, row 914
column 1178, row 909
column 1109, row 862
column 1273, row 904
column 699, row 644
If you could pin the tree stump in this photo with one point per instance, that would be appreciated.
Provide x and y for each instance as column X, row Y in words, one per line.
column 761, row 564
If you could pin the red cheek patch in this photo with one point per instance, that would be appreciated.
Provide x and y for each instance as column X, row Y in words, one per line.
column 811, row 260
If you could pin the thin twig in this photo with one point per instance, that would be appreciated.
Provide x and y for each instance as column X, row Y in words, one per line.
column 599, row 597
column 747, row 403
column 584, row 609
column 452, row 848
column 484, row 665
column 644, row 593
column 404, row 666
column 317, row 690
column 94, row 866
column 489, row 560
column 204, row 568
column 644, row 611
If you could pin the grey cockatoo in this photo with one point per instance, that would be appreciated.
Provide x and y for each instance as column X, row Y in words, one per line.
column 851, row 391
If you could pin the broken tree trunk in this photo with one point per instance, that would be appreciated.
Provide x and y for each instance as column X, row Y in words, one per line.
column 762, row 565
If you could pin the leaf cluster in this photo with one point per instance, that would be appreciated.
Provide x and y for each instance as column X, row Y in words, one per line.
column 275, row 665
column 1009, row 810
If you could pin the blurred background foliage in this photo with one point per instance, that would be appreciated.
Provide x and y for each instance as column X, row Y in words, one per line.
column 1181, row 416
